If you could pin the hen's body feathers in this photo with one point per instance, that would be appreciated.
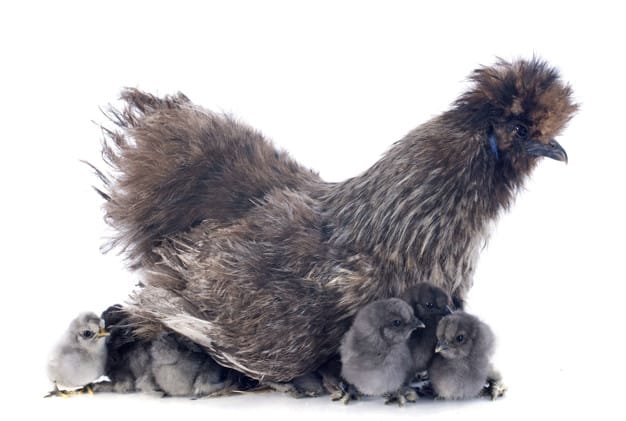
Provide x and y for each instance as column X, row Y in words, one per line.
column 239, row 246
column 178, row 165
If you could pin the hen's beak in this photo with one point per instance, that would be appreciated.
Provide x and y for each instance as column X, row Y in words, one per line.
column 102, row 333
column 552, row 149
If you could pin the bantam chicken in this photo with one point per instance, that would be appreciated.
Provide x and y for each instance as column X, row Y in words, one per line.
column 262, row 263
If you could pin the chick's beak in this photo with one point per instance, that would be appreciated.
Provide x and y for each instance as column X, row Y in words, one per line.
column 441, row 346
column 417, row 323
column 552, row 149
column 102, row 333
column 447, row 310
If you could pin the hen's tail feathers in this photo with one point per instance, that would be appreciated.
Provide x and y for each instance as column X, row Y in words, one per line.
column 174, row 164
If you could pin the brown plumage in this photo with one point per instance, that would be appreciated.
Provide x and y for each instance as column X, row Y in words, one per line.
column 257, row 259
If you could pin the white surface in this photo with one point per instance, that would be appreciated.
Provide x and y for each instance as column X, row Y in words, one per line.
column 334, row 84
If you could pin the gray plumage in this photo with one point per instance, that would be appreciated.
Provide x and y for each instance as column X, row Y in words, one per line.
column 239, row 245
column 375, row 356
column 80, row 355
column 429, row 304
column 461, row 367
column 181, row 368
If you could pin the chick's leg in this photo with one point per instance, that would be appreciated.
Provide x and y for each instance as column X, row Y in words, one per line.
column 346, row 393
column 495, row 387
column 67, row 393
column 57, row 392
column 401, row 396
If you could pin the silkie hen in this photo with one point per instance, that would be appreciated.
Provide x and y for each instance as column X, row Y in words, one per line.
column 262, row 263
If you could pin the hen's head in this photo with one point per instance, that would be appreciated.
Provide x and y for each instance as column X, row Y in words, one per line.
column 520, row 107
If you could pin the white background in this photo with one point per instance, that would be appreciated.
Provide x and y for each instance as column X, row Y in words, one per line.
column 334, row 84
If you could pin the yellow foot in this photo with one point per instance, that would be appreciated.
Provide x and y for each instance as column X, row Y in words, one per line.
column 67, row 393
column 60, row 393
column 345, row 394
column 85, row 389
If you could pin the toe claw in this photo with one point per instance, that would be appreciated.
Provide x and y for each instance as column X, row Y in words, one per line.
column 345, row 393
column 494, row 389
column 402, row 396
column 497, row 391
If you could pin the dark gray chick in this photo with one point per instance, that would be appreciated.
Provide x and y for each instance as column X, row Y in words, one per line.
column 80, row 355
column 128, row 364
column 375, row 356
column 461, row 368
column 430, row 304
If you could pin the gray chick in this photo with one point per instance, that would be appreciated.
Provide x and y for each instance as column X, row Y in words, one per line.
column 375, row 356
column 429, row 304
column 461, row 368
column 181, row 368
column 79, row 357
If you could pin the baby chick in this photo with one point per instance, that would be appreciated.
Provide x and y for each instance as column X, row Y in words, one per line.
column 375, row 356
column 79, row 357
column 429, row 304
column 181, row 368
column 461, row 368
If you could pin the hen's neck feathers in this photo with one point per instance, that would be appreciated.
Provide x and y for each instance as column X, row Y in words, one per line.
column 428, row 202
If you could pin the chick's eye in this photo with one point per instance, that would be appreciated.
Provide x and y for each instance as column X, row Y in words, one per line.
column 429, row 305
column 87, row 334
column 396, row 323
column 520, row 131
column 460, row 338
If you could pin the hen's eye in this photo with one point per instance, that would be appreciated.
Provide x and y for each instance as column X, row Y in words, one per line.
column 429, row 305
column 460, row 338
column 87, row 334
column 397, row 323
column 520, row 131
